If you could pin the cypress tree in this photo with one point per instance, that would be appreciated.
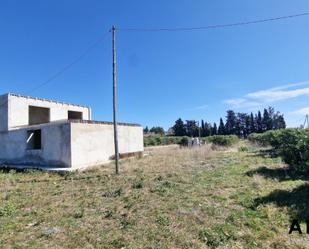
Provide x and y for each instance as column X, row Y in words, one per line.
column 231, row 122
column 252, row 123
column 267, row 122
column 247, row 126
column 207, row 129
column 214, row 129
column 221, row 129
column 210, row 129
column 241, row 125
column 202, row 128
column 259, row 124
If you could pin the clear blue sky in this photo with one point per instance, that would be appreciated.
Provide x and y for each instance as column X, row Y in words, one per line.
column 161, row 76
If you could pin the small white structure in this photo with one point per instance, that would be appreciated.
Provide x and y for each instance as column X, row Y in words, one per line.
column 43, row 133
column 193, row 142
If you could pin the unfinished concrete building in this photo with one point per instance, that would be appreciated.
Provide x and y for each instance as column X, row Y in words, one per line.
column 39, row 133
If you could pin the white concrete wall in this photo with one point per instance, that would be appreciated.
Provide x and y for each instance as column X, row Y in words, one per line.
column 3, row 113
column 18, row 114
column 93, row 144
column 56, row 148
column 69, row 144
column 56, row 145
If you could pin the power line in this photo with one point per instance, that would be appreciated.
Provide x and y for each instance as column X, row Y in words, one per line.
column 68, row 66
column 214, row 26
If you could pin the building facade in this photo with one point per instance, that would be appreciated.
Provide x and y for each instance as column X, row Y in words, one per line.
column 43, row 133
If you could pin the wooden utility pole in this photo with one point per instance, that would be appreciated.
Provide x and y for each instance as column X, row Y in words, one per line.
column 114, row 101
column 199, row 134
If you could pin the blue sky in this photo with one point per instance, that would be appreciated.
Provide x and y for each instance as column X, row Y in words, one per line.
column 161, row 75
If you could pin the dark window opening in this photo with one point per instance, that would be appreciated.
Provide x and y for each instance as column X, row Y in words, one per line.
column 34, row 140
column 38, row 115
column 75, row 115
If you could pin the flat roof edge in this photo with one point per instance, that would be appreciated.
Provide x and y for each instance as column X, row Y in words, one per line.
column 76, row 121
column 46, row 100
column 101, row 122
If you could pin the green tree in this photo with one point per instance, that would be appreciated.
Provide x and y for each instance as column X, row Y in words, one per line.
column 179, row 128
column 259, row 122
column 231, row 122
column 279, row 122
column 157, row 130
column 146, row 130
column 252, row 123
column 214, row 129
column 277, row 119
column 247, row 126
column 241, row 125
column 192, row 128
column 271, row 112
column 267, row 122
column 221, row 129
column 203, row 132
column 208, row 129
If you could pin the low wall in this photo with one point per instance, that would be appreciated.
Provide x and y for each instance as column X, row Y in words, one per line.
column 55, row 150
column 70, row 144
column 93, row 144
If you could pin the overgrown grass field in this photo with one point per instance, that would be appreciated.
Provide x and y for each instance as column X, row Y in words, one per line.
column 236, row 197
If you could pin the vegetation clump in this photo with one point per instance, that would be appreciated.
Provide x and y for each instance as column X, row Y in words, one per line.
column 138, row 184
column 291, row 144
column 114, row 193
column 239, row 124
column 7, row 209
column 155, row 140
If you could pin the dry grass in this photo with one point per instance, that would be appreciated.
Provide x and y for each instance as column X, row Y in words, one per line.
column 171, row 198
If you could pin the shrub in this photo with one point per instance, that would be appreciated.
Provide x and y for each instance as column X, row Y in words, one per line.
column 114, row 193
column 162, row 220
column 7, row 209
column 209, row 238
column 155, row 140
column 243, row 149
column 79, row 214
column 291, row 144
column 149, row 141
column 218, row 235
column 138, row 184
column 222, row 140
column 184, row 141
column 158, row 140
column 266, row 138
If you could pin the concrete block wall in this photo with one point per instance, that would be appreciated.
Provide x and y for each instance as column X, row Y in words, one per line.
column 4, row 126
column 93, row 144
column 69, row 144
column 56, row 147
column 64, row 143
column 15, row 112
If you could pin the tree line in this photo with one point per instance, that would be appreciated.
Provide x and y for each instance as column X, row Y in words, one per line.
column 155, row 129
column 240, row 124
